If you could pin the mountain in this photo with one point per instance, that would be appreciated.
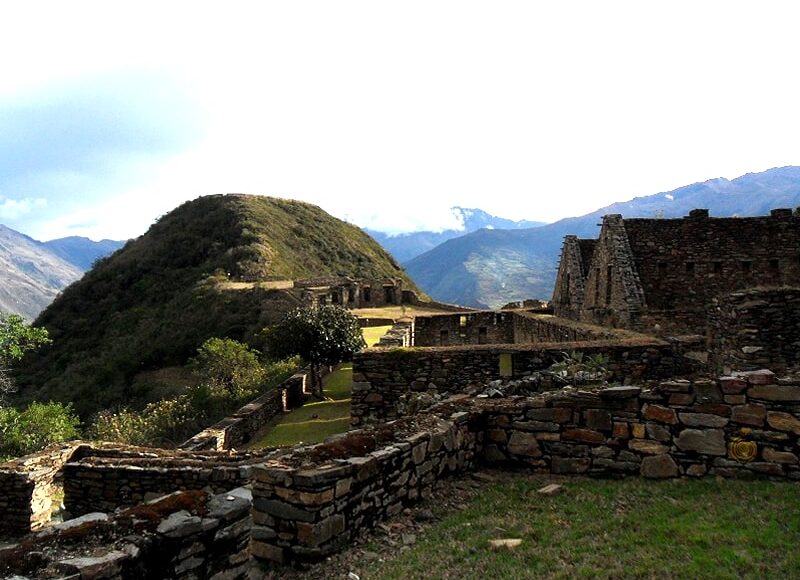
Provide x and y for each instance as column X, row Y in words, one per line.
column 151, row 304
column 82, row 252
column 30, row 274
column 489, row 268
column 406, row 246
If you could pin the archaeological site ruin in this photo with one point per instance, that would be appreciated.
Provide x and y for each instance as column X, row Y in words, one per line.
column 670, row 350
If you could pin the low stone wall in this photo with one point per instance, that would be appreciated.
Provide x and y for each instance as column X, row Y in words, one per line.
column 106, row 479
column 382, row 377
column 536, row 328
column 492, row 327
column 742, row 426
column 755, row 329
column 183, row 535
column 238, row 429
column 305, row 513
column 311, row 504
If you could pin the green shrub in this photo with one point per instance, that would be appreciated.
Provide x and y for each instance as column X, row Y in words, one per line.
column 36, row 427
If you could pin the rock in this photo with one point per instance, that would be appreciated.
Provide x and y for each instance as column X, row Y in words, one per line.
column 524, row 444
column 707, row 441
column 550, row 489
column 783, row 422
column 620, row 392
column 583, row 436
column 659, row 467
column 774, row 456
column 647, row 446
column 507, row 543
column 658, row 432
column 696, row 470
column 424, row 516
column 774, row 392
column 570, row 465
column 84, row 519
column 409, row 539
column 483, row 476
column 225, row 509
column 598, row 419
column 107, row 566
column 282, row 510
column 702, row 420
column 180, row 524
column 760, row 377
column 732, row 385
column 750, row 414
column 315, row 534
column 661, row 414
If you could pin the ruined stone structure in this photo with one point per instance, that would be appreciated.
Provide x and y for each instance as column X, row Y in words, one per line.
column 353, row 293
column 661, row 275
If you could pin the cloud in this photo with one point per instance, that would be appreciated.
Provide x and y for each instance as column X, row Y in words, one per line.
column 12, row 209
column 75, row 142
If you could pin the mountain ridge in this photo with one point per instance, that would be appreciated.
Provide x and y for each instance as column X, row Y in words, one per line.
column 473, row 269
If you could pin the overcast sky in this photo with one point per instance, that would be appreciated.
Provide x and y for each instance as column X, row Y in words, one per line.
column 384, row 113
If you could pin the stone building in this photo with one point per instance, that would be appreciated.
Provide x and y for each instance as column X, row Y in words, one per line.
column 661, row 275
column 355, row 293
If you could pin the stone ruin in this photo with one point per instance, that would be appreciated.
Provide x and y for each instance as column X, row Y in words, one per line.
column 422, row 409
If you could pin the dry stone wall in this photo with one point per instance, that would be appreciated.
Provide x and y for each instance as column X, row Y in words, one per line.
column 306, row 513
column 755, row 329
column 381, row 378
column 181, row 536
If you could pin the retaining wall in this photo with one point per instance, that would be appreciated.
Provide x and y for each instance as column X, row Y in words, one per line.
column 382, row 377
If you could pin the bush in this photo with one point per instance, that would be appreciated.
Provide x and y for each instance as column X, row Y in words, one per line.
column 39, row 425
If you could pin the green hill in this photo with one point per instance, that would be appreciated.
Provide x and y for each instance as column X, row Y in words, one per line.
column 153, row 302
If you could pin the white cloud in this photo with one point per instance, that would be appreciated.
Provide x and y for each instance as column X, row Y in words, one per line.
column 12, row 209
column 669, row 196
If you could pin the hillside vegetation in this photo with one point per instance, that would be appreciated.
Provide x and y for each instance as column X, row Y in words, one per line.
column 152, row 303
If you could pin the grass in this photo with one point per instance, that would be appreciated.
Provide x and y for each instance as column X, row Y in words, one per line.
column 607, row 528
column 313, row 422
column 373, row 334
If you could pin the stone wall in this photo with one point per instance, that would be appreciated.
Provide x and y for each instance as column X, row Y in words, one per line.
column 737, row 426
column 382, row 377
column 754, row 329
column 183, row 535
column 305, row 513
column 465, row 328
column 309, row 505
column 238, row 429
column 536, row 328
column 27, row 487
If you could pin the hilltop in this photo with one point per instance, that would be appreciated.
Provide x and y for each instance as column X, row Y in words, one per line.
column 152, row 303
column 488, row 268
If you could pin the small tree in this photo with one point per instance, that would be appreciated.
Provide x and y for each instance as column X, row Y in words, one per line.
column 16, row 338
column 323, row 335
column 228, row 363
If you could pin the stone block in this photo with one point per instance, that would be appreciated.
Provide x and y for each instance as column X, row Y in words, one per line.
column 598, row 419
column 783, row 422
column 752, row 414
column 620, row 392
column 620, row 430
column 706, row 441
column 661, row 414
column 702, row 420
column 180, row 524
column 638, row 430
column 681, row 399
column 659, row 467
column 524, row 444
column 647, row 446
column 269, row 552
column 696, row 470
column 282, row 510
column 732, row 385
column 316, row 534
column 583, row 436
column 786, row 393
column 759, row 377
column 774, row 456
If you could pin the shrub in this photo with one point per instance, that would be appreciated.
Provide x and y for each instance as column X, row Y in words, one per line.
column 36, row 427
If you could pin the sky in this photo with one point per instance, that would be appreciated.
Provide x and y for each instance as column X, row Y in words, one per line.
column 384, row 113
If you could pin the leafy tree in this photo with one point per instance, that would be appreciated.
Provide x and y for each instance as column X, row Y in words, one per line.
column 223, row 362
column 324, row 335
column 16, row 337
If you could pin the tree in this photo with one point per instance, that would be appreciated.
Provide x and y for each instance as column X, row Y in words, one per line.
column 16, row 338
column 228, row 363
column 322, row 335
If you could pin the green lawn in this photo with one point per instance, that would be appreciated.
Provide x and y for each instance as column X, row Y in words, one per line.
column 373, row 334
column 315, row 421
column 612, row 528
